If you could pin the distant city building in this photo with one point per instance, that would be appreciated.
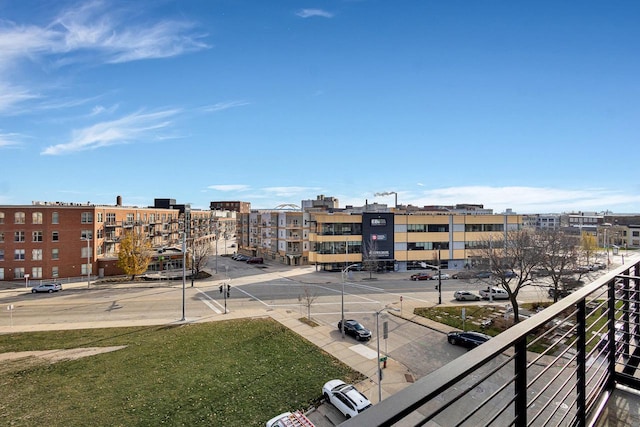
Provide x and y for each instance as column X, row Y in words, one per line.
column 542, row 221
column 235, row 206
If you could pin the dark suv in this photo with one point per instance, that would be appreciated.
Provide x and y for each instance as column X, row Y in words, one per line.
column 467, row 339
column 255, row 260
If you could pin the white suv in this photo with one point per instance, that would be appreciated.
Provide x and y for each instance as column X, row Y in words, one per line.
column 46, row 287
column 496, row 293
column 345, row 397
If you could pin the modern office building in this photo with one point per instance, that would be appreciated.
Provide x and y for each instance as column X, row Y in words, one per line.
column 403, row 240
column 395, row 239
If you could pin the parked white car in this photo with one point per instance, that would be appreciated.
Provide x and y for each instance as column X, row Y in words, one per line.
column 288, row 419
column 345, row 397
column 466, row 296
column 443, row 276
column 46, row 287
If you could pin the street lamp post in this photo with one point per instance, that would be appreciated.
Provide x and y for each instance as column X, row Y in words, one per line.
column 344, row 273
column 88, row 263
column 184, row 278
column 378, row 349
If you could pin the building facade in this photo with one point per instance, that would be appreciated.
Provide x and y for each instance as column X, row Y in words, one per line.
column 53, row 240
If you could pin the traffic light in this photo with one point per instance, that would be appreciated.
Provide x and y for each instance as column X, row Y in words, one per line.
column 228, row 290
column 220, row 288
column 436, row 287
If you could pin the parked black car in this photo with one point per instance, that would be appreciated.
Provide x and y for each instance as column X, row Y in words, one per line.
column 467, row 339
column 355, row 329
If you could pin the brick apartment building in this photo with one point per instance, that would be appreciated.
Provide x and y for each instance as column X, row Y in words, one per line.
column 52, row 240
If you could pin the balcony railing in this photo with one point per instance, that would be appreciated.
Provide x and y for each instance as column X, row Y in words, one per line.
column 556, row 368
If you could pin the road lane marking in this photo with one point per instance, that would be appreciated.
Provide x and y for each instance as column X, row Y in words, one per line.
column 209, row 302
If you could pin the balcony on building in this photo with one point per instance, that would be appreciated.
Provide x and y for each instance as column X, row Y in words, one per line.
column 574, row 363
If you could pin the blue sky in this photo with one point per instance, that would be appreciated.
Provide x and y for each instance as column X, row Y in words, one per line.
column 533, row 106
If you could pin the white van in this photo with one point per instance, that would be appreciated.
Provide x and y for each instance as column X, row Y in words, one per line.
column 496, row 293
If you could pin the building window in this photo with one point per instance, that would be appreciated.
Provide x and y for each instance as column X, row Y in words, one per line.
column 54, row 272
column 19, row 218
column 55, row 236
column 85, row 252
column 54, row 253
column 18, row 255
column 36, row 254
column 86, row 269
column 635, row 233
column 18, row 273
column 37, row 236
column 129, row 218
column 100, row 234
column 36, row 217
column 1, row 273
column 99, row 217
column 1, row 217
column 1, row 254
column 87, row 218
column 111, row 218
column 18, row 236
column 36, row 272
column 1, row 237
column 55, row 219
column 86, row 234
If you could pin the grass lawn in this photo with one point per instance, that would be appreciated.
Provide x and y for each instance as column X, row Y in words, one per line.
column 230, row 373
column 474, row 316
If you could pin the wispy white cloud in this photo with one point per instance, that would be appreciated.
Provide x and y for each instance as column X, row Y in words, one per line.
column 13, row 95
column 136, row 126
column 9, row 139
column 224, row 106
column 290, row 191
column 94, row 26
column 310, row 13
column 229, row 187
column 91, row 32
column 100, row 109
column 523, row 199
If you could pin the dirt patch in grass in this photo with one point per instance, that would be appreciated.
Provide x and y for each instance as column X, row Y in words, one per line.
column 17, row 360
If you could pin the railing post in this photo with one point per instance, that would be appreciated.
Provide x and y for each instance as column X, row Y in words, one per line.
column 520, row 362
column 611, row 334
column 626, row 308
column 581, row 368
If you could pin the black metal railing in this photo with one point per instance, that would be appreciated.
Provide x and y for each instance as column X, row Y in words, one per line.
column 555, row 368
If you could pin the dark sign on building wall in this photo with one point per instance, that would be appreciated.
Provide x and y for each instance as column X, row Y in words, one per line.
column 377, row 235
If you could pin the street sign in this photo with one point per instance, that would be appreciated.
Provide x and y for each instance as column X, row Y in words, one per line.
column 385, row 330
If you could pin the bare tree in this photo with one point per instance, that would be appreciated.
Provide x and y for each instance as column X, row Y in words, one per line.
column 307, row 300
column 559, row 256
column 511, row 262
column 200, row 250
column 370, row 256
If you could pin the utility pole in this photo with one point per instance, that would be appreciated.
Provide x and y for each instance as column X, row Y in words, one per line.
column 439, row 278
